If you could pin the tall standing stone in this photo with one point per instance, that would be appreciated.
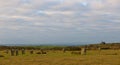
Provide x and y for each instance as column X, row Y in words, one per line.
column 12, row 52
column 99, row 50
column 31, row 51
column 63, row 50
column 83, row 51
column 7, row 51
column 41, row 50
column 23, row 51
column 17, row 52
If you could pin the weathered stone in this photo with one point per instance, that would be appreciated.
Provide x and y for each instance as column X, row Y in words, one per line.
column 63, row 50
column 31, row 51
column 12, row 52
column 23, row 51
column 17, row 52
column 83, row 51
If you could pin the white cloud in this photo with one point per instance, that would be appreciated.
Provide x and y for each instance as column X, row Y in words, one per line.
column 59, row 20
column 83, row 14
column 56, row 12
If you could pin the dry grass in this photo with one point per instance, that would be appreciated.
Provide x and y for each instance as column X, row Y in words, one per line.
column 104, row 57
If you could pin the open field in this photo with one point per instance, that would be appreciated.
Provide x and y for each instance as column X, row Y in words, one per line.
column 93, row 57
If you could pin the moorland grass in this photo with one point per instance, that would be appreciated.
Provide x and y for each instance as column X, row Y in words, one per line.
column 93, row 57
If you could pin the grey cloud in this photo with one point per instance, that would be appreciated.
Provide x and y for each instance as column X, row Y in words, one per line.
column 83, row 16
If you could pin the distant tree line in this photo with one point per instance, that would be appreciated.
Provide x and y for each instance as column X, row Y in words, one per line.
column 102, row 45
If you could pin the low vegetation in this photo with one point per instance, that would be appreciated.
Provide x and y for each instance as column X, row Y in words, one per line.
column 70, row 55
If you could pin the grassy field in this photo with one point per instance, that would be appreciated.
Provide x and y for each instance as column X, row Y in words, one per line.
column 103, row 57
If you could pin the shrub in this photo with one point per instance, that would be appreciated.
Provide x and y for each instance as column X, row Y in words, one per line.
column 75, row 52
column 38, row 53
column 1, row 56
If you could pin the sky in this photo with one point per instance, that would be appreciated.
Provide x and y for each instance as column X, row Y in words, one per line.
column 59, row 21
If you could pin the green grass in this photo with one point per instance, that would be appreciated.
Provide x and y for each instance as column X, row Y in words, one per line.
column 94, row 57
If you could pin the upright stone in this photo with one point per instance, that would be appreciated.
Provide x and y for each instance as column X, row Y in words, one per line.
column 23, row 51
column 99, row 51
column 43, row 52
column 7, row 51
column 63, row 50
column 17, row 52
column 12, row 52
column 31, row 51
column 83, row 51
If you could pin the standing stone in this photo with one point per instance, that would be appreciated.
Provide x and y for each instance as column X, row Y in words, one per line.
column 23, row 51
column 41, row 50
column 63, row 50
column 99, row 50
column 31, row 51
column 7, row 51
column 17, row 52
column 83, row 51
column 12, row 52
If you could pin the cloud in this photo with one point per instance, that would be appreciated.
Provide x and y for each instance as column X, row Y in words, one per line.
column 60, row 14
column 56, row 12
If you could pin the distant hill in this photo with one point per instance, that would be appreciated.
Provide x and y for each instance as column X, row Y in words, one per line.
column 51, row 44
column 104, row 46
column 97, row 46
